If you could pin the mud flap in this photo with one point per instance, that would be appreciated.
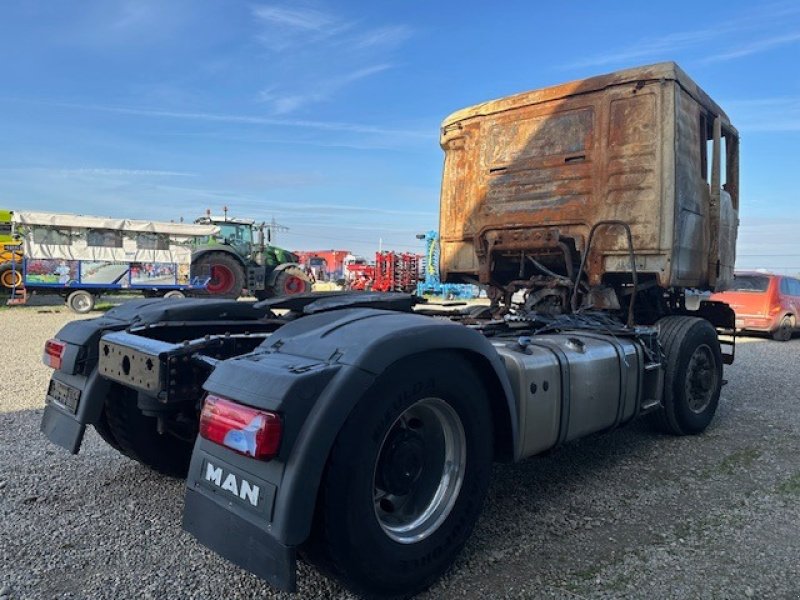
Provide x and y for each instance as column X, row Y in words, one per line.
column 62, row 429
column 241, row 543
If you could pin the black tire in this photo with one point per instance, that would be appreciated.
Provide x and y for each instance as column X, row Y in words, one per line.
column 350, row 539
column 692, row 375
column 217, row 264
column 81, row 301
column 137, row 438
column 104, row 431
column 300, row 284
column 784, row 331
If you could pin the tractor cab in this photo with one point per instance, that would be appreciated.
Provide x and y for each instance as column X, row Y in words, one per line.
column 236, row 233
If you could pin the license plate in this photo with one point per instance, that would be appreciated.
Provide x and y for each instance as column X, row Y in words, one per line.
column 65, row 395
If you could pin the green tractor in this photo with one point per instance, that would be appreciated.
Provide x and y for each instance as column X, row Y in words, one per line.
column 239, row 257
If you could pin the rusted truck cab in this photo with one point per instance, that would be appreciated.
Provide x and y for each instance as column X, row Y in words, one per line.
column 532, row 175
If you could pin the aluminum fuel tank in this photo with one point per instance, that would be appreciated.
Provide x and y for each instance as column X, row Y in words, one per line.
column 571, row 384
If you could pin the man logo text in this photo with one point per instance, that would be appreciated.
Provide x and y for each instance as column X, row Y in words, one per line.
column 241, row 487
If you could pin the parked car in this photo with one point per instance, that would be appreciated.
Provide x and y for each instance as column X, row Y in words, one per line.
column 764, row 302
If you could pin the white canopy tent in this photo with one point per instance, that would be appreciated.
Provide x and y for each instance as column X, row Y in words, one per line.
column 75, row 237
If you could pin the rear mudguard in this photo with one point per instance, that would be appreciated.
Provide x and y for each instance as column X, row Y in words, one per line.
column 313, row 371
column 79, row 364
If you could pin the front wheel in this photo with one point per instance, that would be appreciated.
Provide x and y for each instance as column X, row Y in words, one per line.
column 407, row 476
column 692, row 375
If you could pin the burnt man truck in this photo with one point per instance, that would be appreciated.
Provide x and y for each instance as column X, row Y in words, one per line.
column 358, row 430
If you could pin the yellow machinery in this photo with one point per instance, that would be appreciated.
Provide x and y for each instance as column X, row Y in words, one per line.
column 10, row 253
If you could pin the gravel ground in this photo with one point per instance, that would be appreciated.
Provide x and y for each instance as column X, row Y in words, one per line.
column 629, row 514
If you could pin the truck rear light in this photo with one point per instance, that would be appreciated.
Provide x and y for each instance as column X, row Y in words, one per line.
column 53, row 353
column 245, row 430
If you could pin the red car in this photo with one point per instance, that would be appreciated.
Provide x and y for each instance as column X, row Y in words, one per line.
column 765, row 303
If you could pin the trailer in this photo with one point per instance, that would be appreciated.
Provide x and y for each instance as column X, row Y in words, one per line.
column 81, row 257
column 359, row 429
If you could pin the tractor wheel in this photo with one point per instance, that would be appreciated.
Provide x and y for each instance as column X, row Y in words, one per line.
column 226, row 273
column 9, row 277
column 288, row 282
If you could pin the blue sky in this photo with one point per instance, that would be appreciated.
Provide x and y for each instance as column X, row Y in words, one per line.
column 325, row 114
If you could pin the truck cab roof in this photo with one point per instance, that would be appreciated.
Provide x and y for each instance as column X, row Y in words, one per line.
column 664, row 71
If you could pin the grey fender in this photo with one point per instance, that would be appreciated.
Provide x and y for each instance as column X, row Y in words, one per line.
column 353, row 347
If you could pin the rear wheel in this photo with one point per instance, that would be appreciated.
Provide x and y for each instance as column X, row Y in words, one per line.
column 692, row 375
column 784, row 331
column 225, row 272
column 136, row 435
column 81, row 301
column 406, row 479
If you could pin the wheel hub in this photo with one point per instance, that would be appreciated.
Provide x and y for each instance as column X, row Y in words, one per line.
column 293, row 285
column 402, row 462
column 700, row 379
column 221, row 280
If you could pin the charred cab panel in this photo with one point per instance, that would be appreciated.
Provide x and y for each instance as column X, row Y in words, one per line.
column 535, row 172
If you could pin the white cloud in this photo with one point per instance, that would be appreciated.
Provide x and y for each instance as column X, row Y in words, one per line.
column 296, row 18
column 282, row 104
column 383, row 36
column 247, row 120
column 763, row 18
column 320, row 52
column 97, row 172
column 761, row 45
column 760, row 115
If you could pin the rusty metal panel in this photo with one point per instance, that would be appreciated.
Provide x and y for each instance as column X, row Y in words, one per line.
column 624, row 146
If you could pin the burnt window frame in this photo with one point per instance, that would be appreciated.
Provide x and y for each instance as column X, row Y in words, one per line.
column 729, row 154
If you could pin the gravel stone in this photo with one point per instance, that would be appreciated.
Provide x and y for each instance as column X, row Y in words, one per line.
column 630, row 514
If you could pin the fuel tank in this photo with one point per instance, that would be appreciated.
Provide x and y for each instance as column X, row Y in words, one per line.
column 571, row 384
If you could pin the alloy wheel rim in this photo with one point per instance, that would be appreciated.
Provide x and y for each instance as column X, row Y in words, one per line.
column 419, row 471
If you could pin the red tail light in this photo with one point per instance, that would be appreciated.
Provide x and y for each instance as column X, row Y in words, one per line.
column 53, row 353
column 245, row 430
